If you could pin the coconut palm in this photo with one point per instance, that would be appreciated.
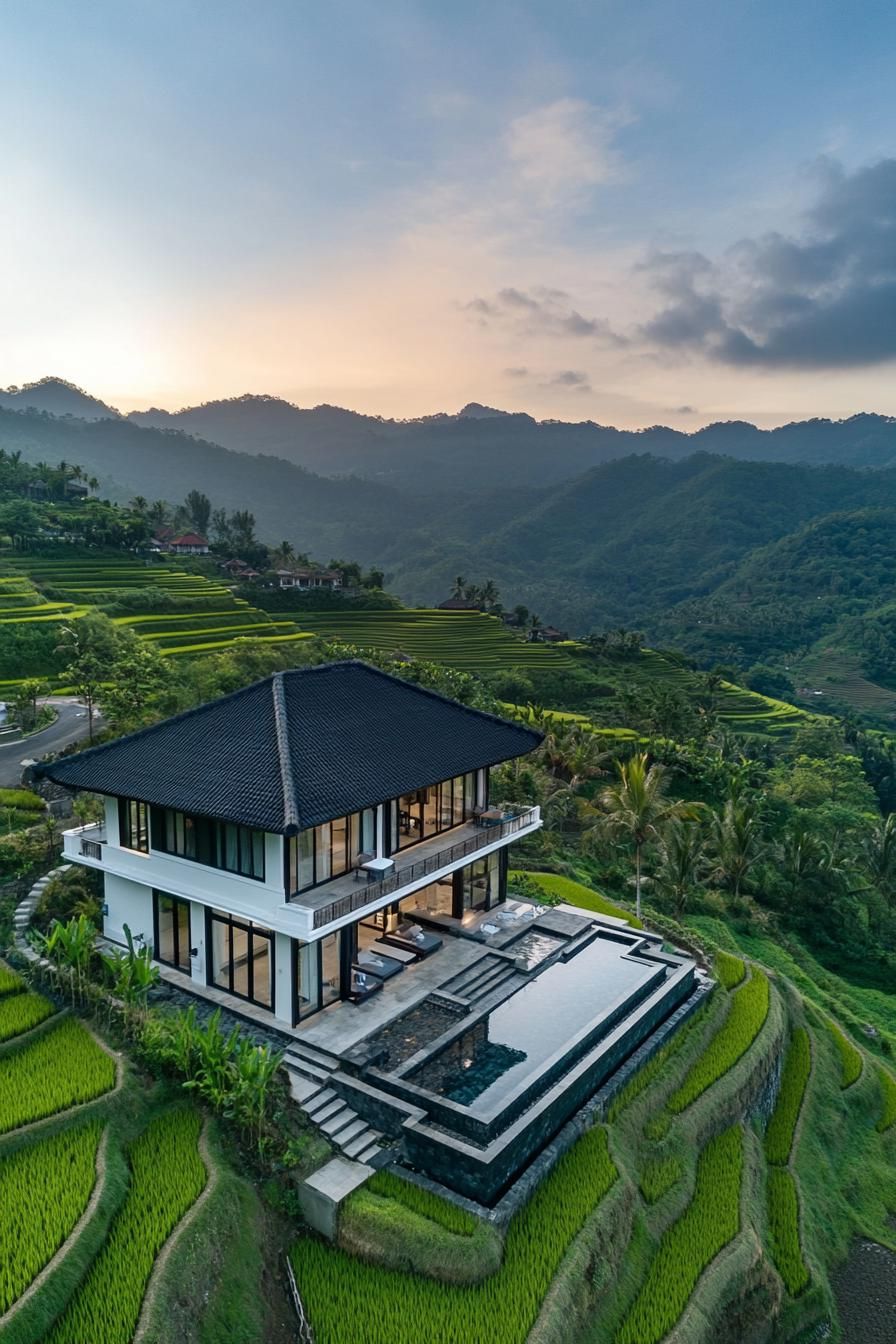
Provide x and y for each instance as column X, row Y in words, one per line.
column 736, row 843
column 682, row 861
column 636, row 808
column 880, row 856
column 460, row 584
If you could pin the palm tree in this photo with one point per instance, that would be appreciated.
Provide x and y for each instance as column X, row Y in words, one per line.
column 93, row 484
column 460, row 584
column 682, row 861
column 880, row 855
column 736, row 843
column 138, row 504
column 637, row 808
column 488, row 593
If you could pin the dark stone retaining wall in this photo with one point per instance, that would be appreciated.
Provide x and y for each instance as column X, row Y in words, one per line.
column 376, row 1108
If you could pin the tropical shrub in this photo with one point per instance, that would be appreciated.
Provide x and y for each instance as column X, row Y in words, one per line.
column 888, row 1100
column 782, row 1125
column 168, row 1176
column 44, row 1189
column 749, row 1009
column 389, row 1186
column 21, row 1012
column 784, row 1230
column 352, row 1301
column 729, row 969
column 62, row 1068
column 658, row 1175
column 709, row 1222
column 850, row 1056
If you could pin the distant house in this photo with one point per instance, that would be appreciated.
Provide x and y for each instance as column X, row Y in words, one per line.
column 549, row 634
column 37, row 490
column 189, row 543
column 75, row 490
column 457, row 604
column 308, row 579
column 238, row 569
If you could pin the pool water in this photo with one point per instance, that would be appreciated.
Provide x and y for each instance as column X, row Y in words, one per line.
column 515, row 1040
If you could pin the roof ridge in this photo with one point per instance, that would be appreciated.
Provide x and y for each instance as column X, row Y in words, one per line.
column 281, row 727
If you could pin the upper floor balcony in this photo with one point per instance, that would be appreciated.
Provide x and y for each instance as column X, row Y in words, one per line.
column 333, row 901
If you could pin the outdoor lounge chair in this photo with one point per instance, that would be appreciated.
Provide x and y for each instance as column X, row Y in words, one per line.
column 411, row 938
column 375, row 963
column 363, row 986
column 360, row 860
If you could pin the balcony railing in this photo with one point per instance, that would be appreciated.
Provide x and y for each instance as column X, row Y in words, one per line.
column 405, row 875
column 90, row 840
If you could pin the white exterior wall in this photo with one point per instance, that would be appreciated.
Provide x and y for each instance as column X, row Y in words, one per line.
column 128, row 903
column 283, row 977
column 262, row 902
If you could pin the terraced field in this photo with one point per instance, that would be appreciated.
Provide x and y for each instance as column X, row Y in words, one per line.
column 204, row 613
column 90, row 1188
column 468, row 640
column 740, row 710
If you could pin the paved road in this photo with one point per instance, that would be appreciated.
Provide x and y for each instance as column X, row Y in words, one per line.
column 70, row 726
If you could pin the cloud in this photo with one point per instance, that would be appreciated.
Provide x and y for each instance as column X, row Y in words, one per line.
column 823, row 299
column 519, row 371
column 684, row 410
column 541, row 311
column 574, row 379
column 563, row 149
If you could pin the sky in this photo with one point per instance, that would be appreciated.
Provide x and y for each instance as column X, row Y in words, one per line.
column 660, row 211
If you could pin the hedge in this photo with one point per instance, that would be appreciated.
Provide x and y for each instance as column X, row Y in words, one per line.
column 44, row 1189
column 710, row 1221
column 168, row 1176
column 21, row 1012
column 782, row 1125
column 784, row 1230
column 729, row 969
column 349, row 1301
column 60, row 1069
column 749, row 1009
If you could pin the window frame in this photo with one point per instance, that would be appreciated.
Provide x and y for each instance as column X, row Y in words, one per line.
column 133, row 824
column 176, row 832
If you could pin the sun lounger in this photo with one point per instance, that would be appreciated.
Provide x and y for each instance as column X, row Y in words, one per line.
column 396, row 953
column 411, row 938
column 382, row 967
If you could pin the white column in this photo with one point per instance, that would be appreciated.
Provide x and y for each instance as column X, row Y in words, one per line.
column 380, row 845
column 283, row 977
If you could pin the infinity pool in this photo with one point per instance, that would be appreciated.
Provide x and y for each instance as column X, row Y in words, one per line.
column 516, row 1039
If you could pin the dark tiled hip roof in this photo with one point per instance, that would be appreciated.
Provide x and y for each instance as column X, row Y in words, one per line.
column 298, row 748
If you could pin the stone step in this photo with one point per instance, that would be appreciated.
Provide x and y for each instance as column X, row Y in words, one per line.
column 318, row 1100
column 306, row 1066
column 313, row 1055
column 342, row 1116
column 354, row 1130
column 303, row 1089
column 331, row 1110
column 364, row 1146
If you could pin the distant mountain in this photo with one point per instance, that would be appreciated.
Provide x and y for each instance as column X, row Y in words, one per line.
column 55, row 396
column 494, row 446
column 329, row 517
column 629, row 542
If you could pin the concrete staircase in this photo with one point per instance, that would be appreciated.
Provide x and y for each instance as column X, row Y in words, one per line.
column 310, row 1070
column 483, row 978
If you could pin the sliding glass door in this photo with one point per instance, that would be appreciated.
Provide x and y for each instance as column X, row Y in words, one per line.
column 241, row 958
column 171, row 927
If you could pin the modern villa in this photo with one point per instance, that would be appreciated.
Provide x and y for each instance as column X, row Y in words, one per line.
column 321, row 851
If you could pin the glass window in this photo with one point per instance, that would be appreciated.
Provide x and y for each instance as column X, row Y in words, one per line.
column 172, row 930
column 220, row 844
column 329, row 947
column 307, row 979
column 133, row 825
column 329, row 850
column 430, row 811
